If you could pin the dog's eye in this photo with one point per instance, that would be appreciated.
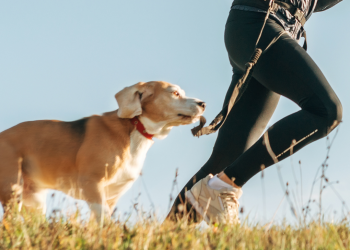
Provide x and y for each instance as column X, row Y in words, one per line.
column 177, row 94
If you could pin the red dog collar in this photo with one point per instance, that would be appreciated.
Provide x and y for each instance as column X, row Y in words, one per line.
column 139, row 126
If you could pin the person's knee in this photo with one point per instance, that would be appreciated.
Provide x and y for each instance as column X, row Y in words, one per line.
column 335, row 115
column 329, row 110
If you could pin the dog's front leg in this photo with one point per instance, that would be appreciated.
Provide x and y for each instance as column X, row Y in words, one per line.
column 93, row 194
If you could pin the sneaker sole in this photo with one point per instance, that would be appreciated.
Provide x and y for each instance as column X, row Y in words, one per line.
column 190, row 198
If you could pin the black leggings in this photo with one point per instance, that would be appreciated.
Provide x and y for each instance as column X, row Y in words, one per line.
column 285, row 69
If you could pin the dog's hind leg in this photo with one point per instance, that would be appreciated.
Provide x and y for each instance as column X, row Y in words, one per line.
column 33, row 196
column 11, row 180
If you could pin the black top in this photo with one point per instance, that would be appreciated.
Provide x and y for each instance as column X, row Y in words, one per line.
column 325, row 4
column 287, row 20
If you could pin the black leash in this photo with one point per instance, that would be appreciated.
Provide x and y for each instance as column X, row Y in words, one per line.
column 242, row 84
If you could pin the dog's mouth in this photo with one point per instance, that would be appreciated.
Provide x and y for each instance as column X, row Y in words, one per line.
column 184, row 116
column 188, row 117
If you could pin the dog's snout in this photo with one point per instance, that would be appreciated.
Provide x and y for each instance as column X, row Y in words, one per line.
column 202, row 104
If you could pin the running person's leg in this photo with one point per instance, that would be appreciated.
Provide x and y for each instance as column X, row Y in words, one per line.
column 285, row 69
column 289, row 71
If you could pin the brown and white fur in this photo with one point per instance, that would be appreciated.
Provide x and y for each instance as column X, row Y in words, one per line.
column 96, row 158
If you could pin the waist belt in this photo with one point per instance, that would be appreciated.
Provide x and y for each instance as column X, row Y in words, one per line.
column 264, row 5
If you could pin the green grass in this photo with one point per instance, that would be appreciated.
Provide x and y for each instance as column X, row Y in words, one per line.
column 31, row 230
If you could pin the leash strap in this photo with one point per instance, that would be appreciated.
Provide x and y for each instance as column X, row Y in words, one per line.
column 296, row 12
column 240, row 87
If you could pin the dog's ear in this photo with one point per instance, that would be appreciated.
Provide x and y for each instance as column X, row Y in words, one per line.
column 129, row 99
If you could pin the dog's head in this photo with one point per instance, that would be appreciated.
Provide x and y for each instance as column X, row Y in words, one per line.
column 159, row 105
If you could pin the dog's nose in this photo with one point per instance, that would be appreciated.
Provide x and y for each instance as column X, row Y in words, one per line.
column 202, row 104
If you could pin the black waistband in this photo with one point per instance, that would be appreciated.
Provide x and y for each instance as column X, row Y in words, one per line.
column 264, row 5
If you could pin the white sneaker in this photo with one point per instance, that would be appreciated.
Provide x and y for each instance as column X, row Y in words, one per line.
column 214, row 205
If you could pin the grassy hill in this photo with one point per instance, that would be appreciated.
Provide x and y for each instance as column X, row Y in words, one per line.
column 31, row 230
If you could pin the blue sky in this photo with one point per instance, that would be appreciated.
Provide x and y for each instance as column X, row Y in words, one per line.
column 66, row 59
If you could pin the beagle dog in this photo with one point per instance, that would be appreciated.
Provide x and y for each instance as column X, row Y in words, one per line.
column 97, row 158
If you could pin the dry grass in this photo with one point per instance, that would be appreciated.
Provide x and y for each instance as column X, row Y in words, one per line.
column 31, row 230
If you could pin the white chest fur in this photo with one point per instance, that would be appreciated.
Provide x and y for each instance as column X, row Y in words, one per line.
column 131, row 168
column 139, row 146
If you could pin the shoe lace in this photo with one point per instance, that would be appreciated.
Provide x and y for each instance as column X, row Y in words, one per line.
column 231, row 205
